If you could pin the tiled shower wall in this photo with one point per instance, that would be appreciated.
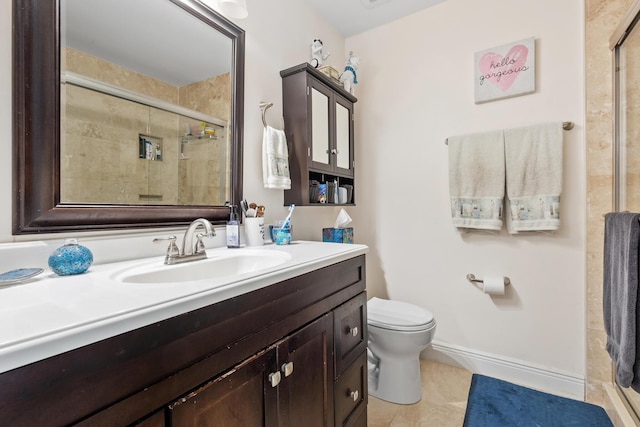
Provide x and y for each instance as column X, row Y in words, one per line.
column 100, row 161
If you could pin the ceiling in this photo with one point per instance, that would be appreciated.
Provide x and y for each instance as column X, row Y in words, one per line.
column 353, row 17
column 153, row 31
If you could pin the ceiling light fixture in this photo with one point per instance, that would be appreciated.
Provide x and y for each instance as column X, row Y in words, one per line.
column 234, row 8
column 230, row 8
column 370, row 4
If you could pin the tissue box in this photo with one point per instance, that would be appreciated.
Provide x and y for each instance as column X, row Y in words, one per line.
column 338, row 235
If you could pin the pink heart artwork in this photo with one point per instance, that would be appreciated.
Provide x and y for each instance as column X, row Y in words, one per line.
column 503, row 71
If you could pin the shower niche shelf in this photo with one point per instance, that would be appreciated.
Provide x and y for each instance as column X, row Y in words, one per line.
column 149, row 147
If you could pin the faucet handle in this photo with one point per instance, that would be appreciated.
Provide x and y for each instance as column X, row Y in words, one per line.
column 200, row 248
column 172, row 251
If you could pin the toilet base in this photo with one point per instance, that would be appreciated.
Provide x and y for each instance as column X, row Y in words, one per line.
column 396, row 381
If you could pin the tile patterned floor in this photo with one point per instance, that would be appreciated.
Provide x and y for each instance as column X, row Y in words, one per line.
column 444, row 399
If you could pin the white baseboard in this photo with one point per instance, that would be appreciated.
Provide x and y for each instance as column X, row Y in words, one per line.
column 516, row 371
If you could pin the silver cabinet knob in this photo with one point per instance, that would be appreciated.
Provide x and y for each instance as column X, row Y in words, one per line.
column 287, row 369
column 274, row 378
column 353, row 331
column 354, row 395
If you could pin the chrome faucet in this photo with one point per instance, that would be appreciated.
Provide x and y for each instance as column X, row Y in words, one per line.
column 190, row 251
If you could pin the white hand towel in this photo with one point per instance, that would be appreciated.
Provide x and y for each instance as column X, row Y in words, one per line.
column 275, row 160
column 534, row 177
column 476, row 180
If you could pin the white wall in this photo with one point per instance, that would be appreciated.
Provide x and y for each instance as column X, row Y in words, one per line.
column 278, row 35
column 415, row 90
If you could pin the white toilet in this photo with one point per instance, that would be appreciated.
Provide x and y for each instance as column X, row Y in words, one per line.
column 398, row 332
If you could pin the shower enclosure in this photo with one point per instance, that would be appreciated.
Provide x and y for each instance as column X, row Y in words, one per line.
column 123, row 147
column 625, row 43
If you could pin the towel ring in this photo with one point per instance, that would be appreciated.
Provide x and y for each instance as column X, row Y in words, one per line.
column 265, row 106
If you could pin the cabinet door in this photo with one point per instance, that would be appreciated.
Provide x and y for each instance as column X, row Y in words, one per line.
column 306, row 389
column 331, row 130
column 343, row 150
column 242, row 397
column 320, row 126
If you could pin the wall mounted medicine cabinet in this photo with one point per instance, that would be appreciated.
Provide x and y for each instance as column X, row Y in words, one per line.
column 319, row 121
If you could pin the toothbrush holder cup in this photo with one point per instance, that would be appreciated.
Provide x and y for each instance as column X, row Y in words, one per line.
column 280, row 235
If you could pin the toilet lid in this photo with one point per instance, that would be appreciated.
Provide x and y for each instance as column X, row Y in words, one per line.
column 397, row 315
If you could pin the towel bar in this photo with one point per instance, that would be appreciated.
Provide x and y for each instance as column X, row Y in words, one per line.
column 565, row 126
column 472, row 279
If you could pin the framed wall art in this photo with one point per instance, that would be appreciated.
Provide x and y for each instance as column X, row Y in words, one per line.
column 505, row 71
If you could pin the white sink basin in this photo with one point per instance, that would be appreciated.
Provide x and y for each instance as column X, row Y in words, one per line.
column 217, row 266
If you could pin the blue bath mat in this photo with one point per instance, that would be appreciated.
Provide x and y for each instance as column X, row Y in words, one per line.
column 494, row 403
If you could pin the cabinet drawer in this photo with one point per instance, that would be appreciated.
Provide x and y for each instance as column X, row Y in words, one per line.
column 351, row 394
column 350, row 333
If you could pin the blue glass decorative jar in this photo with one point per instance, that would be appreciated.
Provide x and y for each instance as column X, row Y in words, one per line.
column 71, row 258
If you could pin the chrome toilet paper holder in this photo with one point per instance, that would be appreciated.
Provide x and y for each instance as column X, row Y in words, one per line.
column 472, row 278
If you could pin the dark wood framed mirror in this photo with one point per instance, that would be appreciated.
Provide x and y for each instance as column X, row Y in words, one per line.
column 37, row 203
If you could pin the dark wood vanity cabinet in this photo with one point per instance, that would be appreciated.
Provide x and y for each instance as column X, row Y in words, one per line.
column 287, row 384
column 290, row 354
column 319, row 122
column 293, row 382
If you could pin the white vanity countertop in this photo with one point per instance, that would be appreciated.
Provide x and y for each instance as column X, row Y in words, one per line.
column 50, row 314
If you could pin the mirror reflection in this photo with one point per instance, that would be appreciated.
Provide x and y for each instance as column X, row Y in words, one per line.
column 145, row 105
column 628, row 126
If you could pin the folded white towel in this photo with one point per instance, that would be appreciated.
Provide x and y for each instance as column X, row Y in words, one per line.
column 275, row 160
column 534, row 177
column 476, row 180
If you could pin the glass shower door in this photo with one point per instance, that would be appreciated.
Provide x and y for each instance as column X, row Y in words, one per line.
column 626, row 48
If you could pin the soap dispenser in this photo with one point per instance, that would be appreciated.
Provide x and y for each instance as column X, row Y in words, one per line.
column 233, row 229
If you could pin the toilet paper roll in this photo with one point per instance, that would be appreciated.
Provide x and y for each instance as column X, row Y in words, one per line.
column 493, row 285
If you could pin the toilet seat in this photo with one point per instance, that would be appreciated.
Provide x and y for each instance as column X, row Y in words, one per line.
column 398, row 315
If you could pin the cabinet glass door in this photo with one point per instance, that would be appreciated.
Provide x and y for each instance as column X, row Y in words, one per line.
column 343, row 158
column 319, row 127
